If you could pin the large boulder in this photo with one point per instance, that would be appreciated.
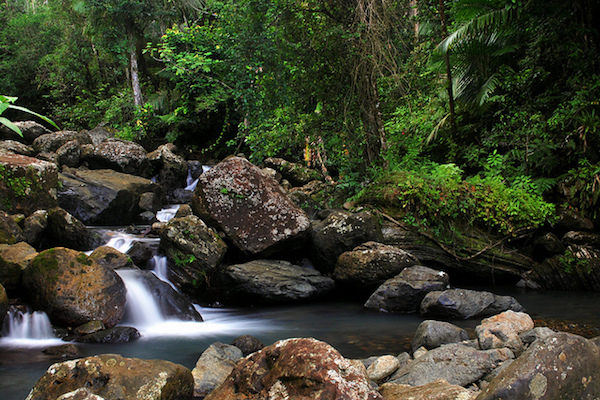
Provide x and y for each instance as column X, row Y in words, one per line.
column 436, row 390
column 405, row 292
column 12, row 146
column 213, row 367
column 64, row 230
column 112, row 258
column 465, row 304
column 193, row 249
column 30, row 130
column 27, row 184
column 340, row 232
column 432, row 334
column 34, row 227
column 370, row 264
column 271, row 281
column 170, row 169
column 251, row 208
column 13, row 261
column 296, row 369
column 458, row 364
column 504, row 330
column 51, row 142
column 559, row 366
column 73, row 290
column 111, row 376
column 103, row 197
column 296, row 174
column 119, row 155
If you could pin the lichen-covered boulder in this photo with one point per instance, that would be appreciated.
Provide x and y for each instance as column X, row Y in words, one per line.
column 213, row 367
column 465, row 304
column 296, row 369
column 30, row 130
column 72, row 289
column 251, row 208
column 111, row 258
column 13, row 261
column 271, row 281
column 27, row 184
column 51, row 142
column 103, row 197
column 64, row 230
column 340, row 232
column 193, row 249
column 119, row 155
column 111, row 376
column 69, row 154
column 504, row 330
column 170, row 169
column 559, row 366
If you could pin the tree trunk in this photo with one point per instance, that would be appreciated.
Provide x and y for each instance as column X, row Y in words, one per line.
column 372, row 119
column 138, row 99
column 449, row 87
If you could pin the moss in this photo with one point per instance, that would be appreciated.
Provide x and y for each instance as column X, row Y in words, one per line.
column 82, row 258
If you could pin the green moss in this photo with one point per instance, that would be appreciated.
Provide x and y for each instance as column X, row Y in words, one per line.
column 82, row 258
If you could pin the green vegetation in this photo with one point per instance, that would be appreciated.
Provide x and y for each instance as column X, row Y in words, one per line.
column 182, row 260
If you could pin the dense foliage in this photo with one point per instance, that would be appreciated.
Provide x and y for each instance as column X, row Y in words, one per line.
column 427, row 98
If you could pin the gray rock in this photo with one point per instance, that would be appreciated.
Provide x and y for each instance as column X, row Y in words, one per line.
column 30, row 130
column 69, row 154
column 64, row 230
column 15, row 147
column 465, row 304
column 213, row 366
column 534, row 334
column 436, row 390
column 117, row 334
column 247, row 344
column 35, row 226
column 296, row 174
column 140, row 253
column 432, row 334
column 121, row 156
column 51, row 142
column 382, row 367
column 170, row 169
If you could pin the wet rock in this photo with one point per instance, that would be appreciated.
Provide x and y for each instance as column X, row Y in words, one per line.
column 149, row 201
column 51, row 142
column 65, row 230
column 340, row 232
column 30, row 130
column 297, row 174
column 69, row 154
column 12, row 146
column 170, row 169
column 117, row 334
column 120, row 155
column 213, row 367
column 371, row 264
column 534, row 334
column 503, row 330
column 89, row 327
column 80, row 394
column 547, row 245
column 382, row 367
column 250, row 208
column 296, row 369
column 456, row 363
column 465, row 304
column 73, row 290
column 64, row 351
column 405, row 292
column 111, row 258
column 183, row 211
column 247, row 344
column 140, row 253
column 193, row 249
column 3, row 304
column 27, row 184
column 432, row 334
column 103, row 197
column 10, row 232
column 35, row 226
column 114, row 377
column 13, row 261
column 560, row 366
column 436, row 390
column 271, row 281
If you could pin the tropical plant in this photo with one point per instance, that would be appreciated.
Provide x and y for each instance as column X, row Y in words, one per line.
column 7, row 103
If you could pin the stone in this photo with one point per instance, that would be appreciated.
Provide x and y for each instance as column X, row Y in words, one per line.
column 253, row 211
column 103, row 197
column 80, row 394
column 456, row 363
column 568, row 220
column 439, row 389
column 30, row 130
column 121, row 156
column 169, row 169
column 371, row 264
column 51, row 142
column 99, row 134
column 35, row 226
column 405, row 292
column 301, row 368
column 72, row 289
column 547, row 245
column 296, row 174
column 116, row 334
column 112, row 376
column 89, row 327
column 3, row 304
column 340, row 232
column 10, row 232
column 183, row 211
column 213, row 367
column 534, row 334
column 247, row 344
column 111, row 258
column 14, row 259
column 194, row 251
column 582, row 239
column 382, row 367
column 432, row 334
column 503, row 330
column 149, row 201
column 465, row 304
column 559, row 366
column 12, row 146
column 271, row 281
column 27, row 184
column 69, row 154
column 63, row 351
column 64, row 230
column 140, row 253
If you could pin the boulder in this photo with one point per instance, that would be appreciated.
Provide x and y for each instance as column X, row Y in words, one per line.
column 382, row 367
column 10, row 232
column 465, row 304
column 213, row 367
column 27, row 184
column 432, row 334
column 12, row 146
column 111, row 376
column 99, row 134
column 140, row 253
column 80, row 394
column 250, row 208
column 64, row 230
column 547, row 245
column 504, row 330
column 120, row 155
column 247, row 344
column 149, row 201
column 35, row 226
column 111, row 258
column 439, row 389
column 194, row 251
column 103, row 197
column 296, row 174
column 271, row 281
column 170, row 169
column 569, row 220
column 89, row 327
column 73, row 290
column 30, row 130
column 14, row 258
column 582, row 239
column 456, row 363
column 3, row 304
column 116, row 334
column 405, row 292
column 63, row 351
column 51, row 142
column 559, row 366
column 296, row 369
column 371, row 264
column 340, row 232
column 69, row 154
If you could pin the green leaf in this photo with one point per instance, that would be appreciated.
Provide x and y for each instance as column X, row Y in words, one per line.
column 48, row 120
column 6, row 122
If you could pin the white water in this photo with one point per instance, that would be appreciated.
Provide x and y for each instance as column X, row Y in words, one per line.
column 28, row 329
column 191, row 182
column 167, row 213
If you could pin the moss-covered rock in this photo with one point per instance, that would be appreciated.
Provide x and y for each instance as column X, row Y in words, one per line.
column 13, row 261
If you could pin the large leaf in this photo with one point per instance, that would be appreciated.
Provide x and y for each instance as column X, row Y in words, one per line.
column 6, row 122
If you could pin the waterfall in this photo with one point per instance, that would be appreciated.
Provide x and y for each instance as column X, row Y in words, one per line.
column 167, row 213
column 27, row 329
column 161, row 270
column 142, row 309
column 191, row 182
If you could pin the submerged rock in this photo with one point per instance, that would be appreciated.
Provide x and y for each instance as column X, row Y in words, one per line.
column 114, row 377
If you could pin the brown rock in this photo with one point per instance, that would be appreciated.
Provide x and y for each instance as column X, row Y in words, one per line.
column 503, row 330
column 111, row 258
column 436, row 390
column 13, row 261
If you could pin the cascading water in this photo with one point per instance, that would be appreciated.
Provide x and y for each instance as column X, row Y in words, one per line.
column 27, row 329
column 142, row 308
column 167, row 213
column 191, row 182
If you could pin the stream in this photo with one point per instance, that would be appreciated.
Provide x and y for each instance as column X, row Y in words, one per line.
column 352, row 330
